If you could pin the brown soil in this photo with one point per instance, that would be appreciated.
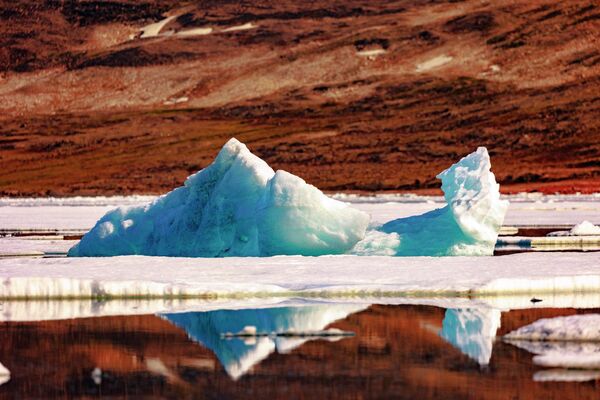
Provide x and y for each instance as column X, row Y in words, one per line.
column 87, row 110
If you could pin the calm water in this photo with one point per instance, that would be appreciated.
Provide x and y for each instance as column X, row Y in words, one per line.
column 367, row 352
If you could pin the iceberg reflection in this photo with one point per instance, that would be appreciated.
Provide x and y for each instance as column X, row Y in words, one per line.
column 472, row 331
column 243, row 338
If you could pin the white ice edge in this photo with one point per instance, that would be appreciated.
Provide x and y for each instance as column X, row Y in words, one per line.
column 139, row 276
column 41, row 310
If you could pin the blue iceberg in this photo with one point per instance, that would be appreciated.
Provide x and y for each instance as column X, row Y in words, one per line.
column 467, row 225
column 238, row 206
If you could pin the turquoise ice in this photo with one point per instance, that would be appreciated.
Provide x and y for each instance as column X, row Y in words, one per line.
column 467, row 225
column 238, row 206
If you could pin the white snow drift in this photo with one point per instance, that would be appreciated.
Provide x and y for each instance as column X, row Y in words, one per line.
column 238, row 206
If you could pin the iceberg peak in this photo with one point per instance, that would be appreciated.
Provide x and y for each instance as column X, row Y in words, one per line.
column 467, row 225
column 236, row 206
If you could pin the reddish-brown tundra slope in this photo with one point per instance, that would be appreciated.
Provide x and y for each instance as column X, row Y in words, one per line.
column 351, row 95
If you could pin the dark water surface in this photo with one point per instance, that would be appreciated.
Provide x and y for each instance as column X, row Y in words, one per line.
column 412, row 352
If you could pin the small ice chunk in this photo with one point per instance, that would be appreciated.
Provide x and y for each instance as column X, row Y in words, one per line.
column 249, row 330
column 154, row 29
column 96, row 376
column 573, row 327
column 585, row 228
column 244, row 27
column 4, row 374
column 433, row 63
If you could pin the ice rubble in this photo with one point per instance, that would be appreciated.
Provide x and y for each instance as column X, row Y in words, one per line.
column 238, row 206
column 240, row 354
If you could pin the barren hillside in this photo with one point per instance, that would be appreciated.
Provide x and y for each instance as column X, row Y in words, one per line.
column 116, row 97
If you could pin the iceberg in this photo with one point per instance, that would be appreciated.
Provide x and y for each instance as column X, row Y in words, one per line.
column 467, row 225
column 261, row 331
column 237, row 206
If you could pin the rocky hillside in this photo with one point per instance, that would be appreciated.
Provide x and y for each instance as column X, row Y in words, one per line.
column 124, row 96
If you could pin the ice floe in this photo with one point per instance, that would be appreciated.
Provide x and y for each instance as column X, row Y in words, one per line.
column 571, row 342
column 345, row 275
column 565, row 375
column 585, row 228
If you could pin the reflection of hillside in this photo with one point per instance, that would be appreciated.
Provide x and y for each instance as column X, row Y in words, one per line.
column 239, row 354
column 397, row 352
column 472, row 331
